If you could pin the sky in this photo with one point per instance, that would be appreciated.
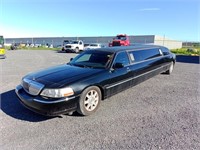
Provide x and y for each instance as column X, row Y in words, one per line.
column 175, row 19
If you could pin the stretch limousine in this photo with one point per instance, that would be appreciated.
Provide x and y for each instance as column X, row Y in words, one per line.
column 90, row 77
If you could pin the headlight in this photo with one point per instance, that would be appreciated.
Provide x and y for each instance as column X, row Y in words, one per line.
column 57, row 93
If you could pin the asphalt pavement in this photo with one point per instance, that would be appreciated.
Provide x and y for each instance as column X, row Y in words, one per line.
column 160, row 113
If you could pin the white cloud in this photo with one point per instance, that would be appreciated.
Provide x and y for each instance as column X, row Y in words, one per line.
column 149, row 9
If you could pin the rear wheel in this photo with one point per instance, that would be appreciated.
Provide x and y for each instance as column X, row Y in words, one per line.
column 171, row 68
column 89, row 101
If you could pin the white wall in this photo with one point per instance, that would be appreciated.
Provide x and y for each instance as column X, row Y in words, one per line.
column 171, row 44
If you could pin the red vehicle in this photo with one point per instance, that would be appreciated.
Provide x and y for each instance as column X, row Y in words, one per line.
column 120, row 40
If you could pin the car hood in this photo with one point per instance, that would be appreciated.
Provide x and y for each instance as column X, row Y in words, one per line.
column 61, row 76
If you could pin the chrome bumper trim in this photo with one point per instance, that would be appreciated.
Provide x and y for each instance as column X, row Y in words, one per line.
column 53, row 102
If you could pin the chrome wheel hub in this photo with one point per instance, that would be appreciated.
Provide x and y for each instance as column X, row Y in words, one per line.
column 91, row 100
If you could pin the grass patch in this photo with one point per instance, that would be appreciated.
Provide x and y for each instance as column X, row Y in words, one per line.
column 34, row 48
column 187, row 51
column 38, row 48
column 182, row 51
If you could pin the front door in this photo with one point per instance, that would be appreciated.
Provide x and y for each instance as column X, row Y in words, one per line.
column 119, row 78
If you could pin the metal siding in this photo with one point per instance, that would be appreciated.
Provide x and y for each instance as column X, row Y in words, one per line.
column 134, row 40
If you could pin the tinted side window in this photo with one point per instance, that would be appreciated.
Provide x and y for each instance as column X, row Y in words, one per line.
column 153, row 53
column 141, row 55
column 122, row 57
column 165, row 51
column 135, row 56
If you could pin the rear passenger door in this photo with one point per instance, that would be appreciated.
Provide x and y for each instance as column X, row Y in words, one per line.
column 145, row 64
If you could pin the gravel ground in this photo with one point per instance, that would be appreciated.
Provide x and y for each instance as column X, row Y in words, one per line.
column 160, row 113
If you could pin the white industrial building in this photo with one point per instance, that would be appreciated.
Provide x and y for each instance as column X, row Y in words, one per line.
column 137, row 39
column 156, row 40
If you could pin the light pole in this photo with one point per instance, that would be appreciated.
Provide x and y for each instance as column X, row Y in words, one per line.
column 164, row 40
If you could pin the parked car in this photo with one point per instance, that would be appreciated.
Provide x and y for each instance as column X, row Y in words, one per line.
column 31, row 45
column 51, row 46
column 73, row 46
column 86, row 44
column 65, row 42
column 14, row 46
column 90, row 77
column 37, row 45
column 92, row 46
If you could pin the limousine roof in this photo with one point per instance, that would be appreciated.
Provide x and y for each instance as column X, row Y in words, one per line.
column 124, row 48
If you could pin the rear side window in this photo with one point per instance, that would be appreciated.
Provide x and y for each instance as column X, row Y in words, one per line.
column 142, row 55
column 135, row 56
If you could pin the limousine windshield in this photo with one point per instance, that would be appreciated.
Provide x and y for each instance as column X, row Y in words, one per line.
column 92, row 59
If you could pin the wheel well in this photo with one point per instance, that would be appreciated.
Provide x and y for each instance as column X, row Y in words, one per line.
column 101, row 89
column 174, row 61
column 102, row 92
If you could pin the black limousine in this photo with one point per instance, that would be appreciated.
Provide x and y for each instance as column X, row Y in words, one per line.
column 90, row 77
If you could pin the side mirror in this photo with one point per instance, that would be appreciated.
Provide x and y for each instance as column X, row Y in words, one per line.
column 118, row 65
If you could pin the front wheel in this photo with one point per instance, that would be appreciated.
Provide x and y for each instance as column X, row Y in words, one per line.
column 76, row 50
column 89, row 101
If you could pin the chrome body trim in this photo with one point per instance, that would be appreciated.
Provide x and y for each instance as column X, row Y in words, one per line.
column 53, row 102
column 31, row 86
column 136, row 76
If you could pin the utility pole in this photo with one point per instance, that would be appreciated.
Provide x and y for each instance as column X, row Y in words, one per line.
column 164, row 40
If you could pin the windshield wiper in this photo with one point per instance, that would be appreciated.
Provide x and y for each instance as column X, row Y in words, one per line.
column 80, row 65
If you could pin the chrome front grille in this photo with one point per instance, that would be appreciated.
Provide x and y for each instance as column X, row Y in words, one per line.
column 68, row 46
column 32, row 87
column 116, row 43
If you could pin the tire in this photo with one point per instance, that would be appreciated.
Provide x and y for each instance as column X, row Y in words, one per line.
column 76, row 50
column 171, row 68
column 89, row 101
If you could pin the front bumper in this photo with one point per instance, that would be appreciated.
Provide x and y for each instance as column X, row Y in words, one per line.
column 2, row 56
column 70, row 50
column 47, row 107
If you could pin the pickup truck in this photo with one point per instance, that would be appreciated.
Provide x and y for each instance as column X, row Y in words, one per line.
column 73, row 46
column 120, row 40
